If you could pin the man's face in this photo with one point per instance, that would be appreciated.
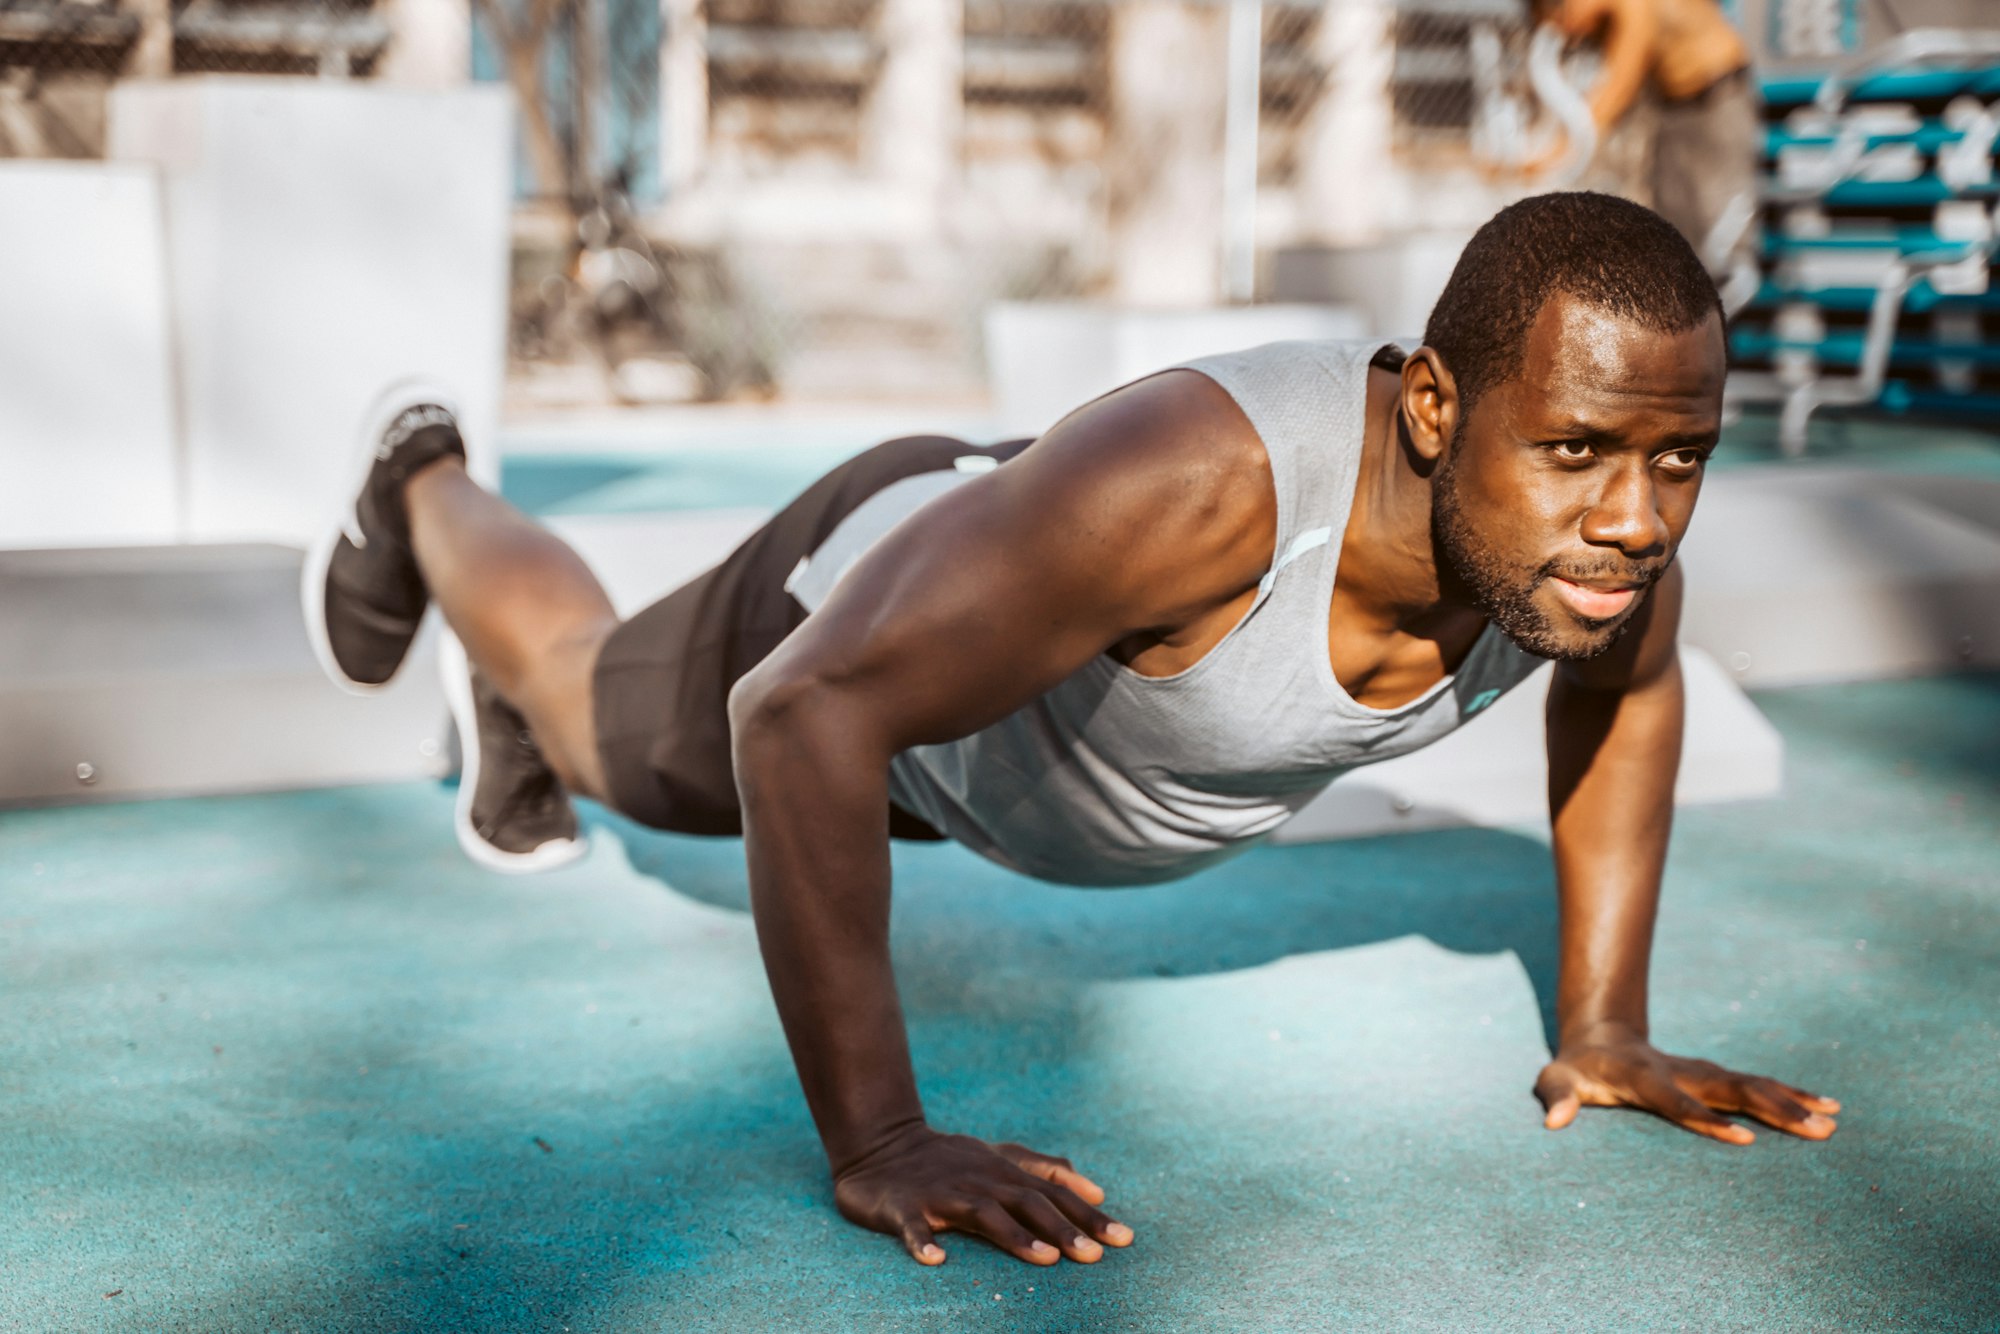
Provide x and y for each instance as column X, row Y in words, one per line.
column 1563, row 497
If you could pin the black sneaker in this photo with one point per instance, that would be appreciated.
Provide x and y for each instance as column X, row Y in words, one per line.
column 364, row 599
column 513, row 812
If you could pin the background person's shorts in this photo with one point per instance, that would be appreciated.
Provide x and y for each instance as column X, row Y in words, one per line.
column 662, row 681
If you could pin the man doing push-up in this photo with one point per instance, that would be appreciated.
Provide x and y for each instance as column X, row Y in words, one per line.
column 1117, row 654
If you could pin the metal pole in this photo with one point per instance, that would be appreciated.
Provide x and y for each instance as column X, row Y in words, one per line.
column 587, row 63
column 152, row 56
column 1239, row 150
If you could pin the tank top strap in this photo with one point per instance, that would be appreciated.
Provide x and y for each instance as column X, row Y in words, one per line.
column 1307, row 401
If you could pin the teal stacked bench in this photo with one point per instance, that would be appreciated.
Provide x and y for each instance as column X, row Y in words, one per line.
column 1879, row 204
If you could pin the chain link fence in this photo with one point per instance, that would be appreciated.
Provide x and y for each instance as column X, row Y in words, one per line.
column 726, row 197
column 58, row 58
column 865, row 176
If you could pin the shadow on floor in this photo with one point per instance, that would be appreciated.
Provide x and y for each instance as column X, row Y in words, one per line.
column 289, row 1062
column 1472, row 891
column 676, row 1187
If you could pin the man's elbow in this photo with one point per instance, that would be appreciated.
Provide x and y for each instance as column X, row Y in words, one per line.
column 787, row 716
column 765, row 700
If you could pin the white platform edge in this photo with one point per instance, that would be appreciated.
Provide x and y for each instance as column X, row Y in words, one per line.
column 1493, row 773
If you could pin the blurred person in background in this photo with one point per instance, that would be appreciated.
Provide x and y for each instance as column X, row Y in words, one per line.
column 1677, row 118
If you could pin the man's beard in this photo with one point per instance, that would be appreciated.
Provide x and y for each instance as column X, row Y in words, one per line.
column 1471, row 571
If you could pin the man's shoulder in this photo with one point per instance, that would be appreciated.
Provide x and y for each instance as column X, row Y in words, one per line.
column 1167, row 470
column 1178, row 433
column 1219, row 407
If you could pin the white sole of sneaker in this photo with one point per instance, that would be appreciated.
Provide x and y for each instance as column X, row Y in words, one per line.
column 386, row 406
column 457, row 672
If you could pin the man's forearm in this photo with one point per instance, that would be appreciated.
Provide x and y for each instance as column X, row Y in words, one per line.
column 817, row 840
column 1628, row 55
column 1613, row 758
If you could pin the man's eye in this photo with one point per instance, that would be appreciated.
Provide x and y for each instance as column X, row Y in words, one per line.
column 1684, row 460
column 1571, row 451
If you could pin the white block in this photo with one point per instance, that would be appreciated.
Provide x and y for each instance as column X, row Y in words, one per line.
column 1494, row 771
column 640, row 558
column 185, row 669
column 325, row 238
column 1394, row 284
column 1046, row 359
column 86, row 403
column 1811, row 573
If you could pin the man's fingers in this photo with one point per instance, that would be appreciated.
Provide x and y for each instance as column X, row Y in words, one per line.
column 1058, row 1170
column 1823, row 1105
column 1039, row 1215
column 1715, row 1076
column 1751, row 1097
column 989, row 1220
column 1557, row 1089
column 1093, row 1222
column 1777, row 1105
column 1658, row 1094
column 1073, row 1192
column 1773, row 1104
column 921, row 1242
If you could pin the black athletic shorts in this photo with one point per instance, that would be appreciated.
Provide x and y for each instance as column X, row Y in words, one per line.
column 661, row 685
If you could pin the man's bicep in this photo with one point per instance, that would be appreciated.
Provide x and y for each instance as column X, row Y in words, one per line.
column 998, row 590
column 954, row 619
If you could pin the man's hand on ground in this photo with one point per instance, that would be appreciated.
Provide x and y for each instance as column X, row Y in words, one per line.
column 1626, row 1071
column 1028, row 1204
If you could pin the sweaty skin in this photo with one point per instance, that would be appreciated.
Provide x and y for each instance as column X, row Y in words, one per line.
column 1139, row 527
column 1684, row 46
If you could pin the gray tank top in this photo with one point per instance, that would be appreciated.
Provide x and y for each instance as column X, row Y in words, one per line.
column 1113, row 778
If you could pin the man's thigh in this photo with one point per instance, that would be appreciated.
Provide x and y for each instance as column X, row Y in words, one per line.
column 661, row 683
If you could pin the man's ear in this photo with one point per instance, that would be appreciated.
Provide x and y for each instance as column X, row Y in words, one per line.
column 1430, row 403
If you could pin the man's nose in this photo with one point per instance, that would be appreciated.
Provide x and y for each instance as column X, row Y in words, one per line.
column 1626, row 514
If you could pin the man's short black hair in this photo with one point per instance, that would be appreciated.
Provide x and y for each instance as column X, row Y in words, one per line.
column 1605, row 251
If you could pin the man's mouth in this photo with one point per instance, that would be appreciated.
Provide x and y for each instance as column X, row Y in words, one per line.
column 1594, row 601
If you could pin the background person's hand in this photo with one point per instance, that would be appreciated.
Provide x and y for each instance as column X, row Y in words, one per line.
column 1030, row 1205
column 1621, row 1070
column 1544, row 163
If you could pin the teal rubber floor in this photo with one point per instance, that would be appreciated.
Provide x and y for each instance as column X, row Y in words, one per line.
column 291, row 1063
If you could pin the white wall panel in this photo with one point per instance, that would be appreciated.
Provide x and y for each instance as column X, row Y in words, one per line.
column 324, row 238
column 86, row 407
column 1047, row 358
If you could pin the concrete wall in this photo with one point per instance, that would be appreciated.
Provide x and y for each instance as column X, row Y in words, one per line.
column 87, row 411
column 324, row 238
column 1047, row 358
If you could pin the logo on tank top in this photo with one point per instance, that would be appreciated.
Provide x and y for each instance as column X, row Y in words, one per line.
column 1480, row 701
